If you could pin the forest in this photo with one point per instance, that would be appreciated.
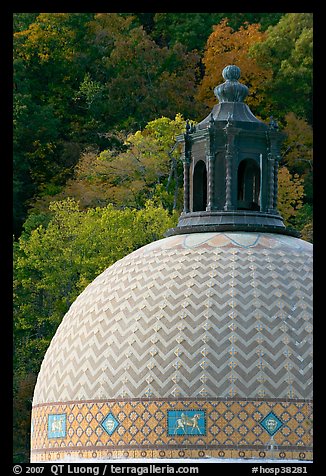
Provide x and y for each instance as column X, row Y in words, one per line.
column 98, row 100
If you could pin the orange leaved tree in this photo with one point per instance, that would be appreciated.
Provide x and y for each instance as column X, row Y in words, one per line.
column 227, row 46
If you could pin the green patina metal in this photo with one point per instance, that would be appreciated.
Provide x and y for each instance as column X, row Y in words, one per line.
column 231, row 163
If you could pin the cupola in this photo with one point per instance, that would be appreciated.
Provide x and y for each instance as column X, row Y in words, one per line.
column 231, row 163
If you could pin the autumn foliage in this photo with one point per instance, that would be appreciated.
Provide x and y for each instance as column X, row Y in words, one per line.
column 226, row 46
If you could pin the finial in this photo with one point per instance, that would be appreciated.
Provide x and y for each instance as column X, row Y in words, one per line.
column 231, row 73
column 231, row 90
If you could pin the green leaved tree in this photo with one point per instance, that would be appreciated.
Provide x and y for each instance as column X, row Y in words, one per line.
column 288, row 52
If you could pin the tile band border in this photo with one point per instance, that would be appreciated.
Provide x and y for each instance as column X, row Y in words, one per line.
column 171, row 447
column 177, row 399
column 142, row 425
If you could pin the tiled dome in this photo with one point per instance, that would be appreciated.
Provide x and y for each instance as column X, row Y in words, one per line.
column 196, row 344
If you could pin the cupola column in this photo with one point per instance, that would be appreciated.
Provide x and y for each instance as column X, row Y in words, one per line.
column 271, row 190
column 230, row 153
column 273, row 154
column 186, row 170
column 228, row 179
column 211, row 168
column 275, row 183
column 274, row 149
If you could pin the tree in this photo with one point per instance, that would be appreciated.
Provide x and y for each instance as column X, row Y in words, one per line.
column 22, row 404
column 290, row 194
column 144, row 81
column 287, row 50
column 142, row 166
column 297, row 156
column 21, row 21
column 304, row 222
column 47, row 57
column 146, row 163
column 236, row 20
column 298, row 152
column 78, row 76
column 190, row 29
column 193, row 29
column 298, row 145
column 35, row 133
column 46, row 70
column 226, row 46
column 54, row 262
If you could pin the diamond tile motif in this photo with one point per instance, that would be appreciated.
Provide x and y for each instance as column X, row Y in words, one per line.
column 271, row 423
column 109, row 424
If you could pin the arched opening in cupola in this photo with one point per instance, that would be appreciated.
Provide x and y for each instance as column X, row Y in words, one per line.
column 248, row 185
column 200, row 187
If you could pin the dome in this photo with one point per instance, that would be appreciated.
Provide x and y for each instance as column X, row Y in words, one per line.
column 194, row 345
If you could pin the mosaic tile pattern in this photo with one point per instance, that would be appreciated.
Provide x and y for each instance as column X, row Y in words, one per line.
column 199, row 315
column 143, row 427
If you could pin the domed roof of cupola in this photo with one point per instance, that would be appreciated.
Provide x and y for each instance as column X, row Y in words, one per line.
column 179, row 293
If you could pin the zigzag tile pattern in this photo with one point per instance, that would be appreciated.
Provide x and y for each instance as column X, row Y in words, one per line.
column 199, row 315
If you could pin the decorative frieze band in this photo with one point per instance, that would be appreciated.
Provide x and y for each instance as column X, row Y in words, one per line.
column 167, row 425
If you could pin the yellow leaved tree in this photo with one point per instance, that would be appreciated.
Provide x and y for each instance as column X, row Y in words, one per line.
column 290, row 194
